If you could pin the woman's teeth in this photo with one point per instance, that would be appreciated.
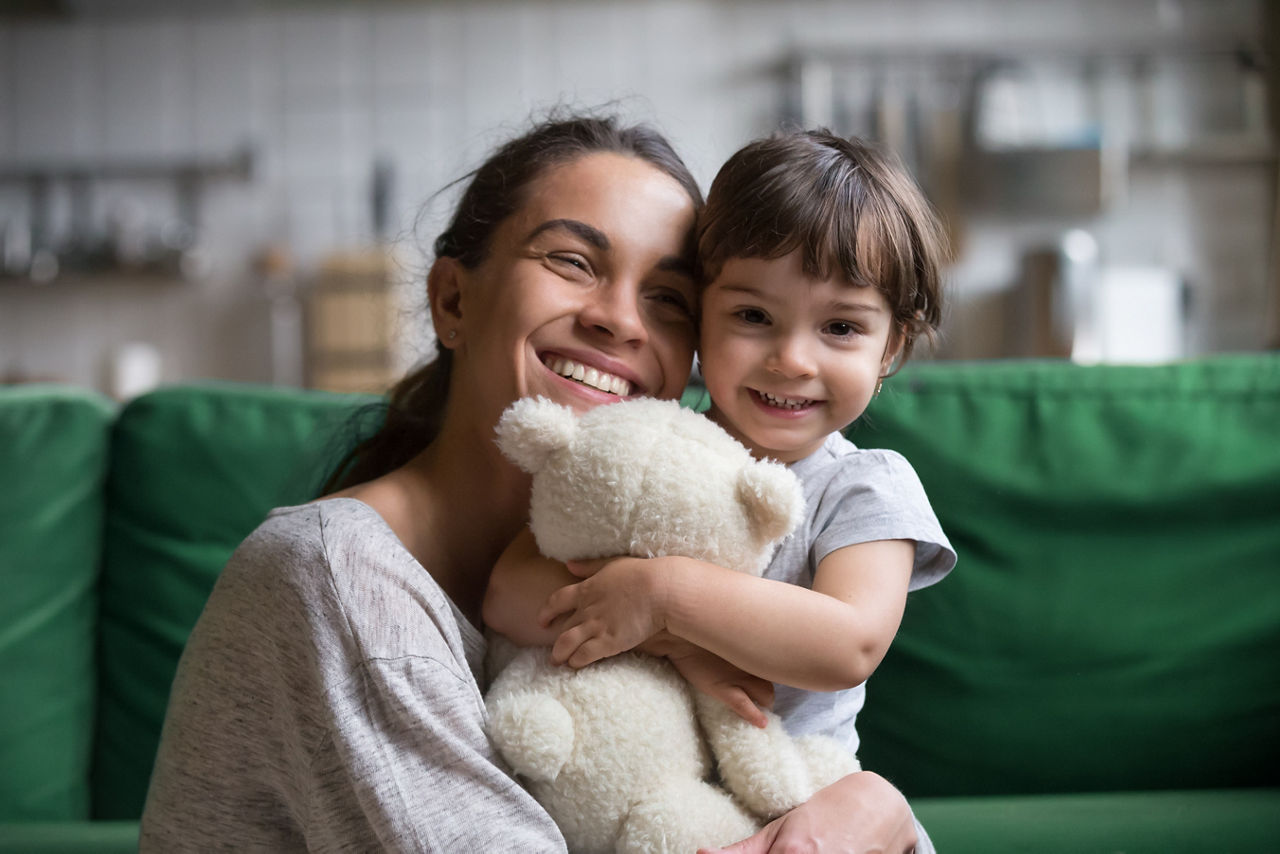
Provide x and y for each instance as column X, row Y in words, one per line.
column 590, row 376
column 785, row 402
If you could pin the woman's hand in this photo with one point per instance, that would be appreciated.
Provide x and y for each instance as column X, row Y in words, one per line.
column 616, row 609
column 858, row 814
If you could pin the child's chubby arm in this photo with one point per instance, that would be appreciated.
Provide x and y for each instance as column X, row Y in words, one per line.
column 824, row 639
column 522, row 581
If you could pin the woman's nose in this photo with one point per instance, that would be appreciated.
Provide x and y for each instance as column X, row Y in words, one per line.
column 614, row 308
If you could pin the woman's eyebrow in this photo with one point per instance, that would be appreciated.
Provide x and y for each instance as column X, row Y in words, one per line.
column 677, row 264
column 589, row 233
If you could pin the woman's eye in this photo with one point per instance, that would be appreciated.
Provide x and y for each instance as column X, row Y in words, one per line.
column 569, row 259
column 675, row 299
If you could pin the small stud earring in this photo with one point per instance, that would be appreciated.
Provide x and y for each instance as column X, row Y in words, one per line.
column 453, row 333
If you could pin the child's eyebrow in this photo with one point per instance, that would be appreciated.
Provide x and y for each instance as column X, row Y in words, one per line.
column 838, row 306
column 858, row 307
column 589, row 233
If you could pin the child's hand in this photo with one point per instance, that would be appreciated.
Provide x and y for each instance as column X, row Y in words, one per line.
column 712, row 675
column 616, row 609
column 588, row 568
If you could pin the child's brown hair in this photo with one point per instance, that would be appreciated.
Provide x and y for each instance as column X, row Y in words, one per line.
column 848, row 206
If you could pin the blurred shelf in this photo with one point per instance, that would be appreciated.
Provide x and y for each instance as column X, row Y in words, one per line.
column 237, row 166
column 91, row 281
column 1209, row 153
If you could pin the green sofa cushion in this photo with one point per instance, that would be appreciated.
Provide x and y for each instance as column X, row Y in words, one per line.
column 193, row 470
column 1113, row 622
column 52, row 466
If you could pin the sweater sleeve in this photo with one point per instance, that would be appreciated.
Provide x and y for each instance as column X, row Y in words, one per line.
column 408, row 767
column 327, row 701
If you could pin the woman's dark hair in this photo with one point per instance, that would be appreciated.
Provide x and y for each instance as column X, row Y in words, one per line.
column 848, row 206
column 415, row 406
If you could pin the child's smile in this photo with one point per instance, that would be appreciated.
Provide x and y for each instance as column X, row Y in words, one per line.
column 782, row 405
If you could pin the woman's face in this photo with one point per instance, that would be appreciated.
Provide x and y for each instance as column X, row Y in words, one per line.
column 586, row 295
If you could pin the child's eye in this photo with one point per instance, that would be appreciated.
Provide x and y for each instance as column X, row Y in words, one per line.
column 840, row 329
column 752, row 315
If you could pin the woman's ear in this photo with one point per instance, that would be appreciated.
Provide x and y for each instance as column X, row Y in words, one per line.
column 444, row 296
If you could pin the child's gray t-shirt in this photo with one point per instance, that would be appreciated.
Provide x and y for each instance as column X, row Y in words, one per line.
column 329, row 699
column 852, row 496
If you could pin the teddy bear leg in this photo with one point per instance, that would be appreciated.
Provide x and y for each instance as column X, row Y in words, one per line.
column 828, row 759
column 683, row 816
column 533, row 732
column 764, row 768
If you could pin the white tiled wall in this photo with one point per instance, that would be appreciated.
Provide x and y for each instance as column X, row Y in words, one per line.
column 320, row 92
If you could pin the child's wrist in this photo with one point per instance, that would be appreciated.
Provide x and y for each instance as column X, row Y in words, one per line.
column 658, row 573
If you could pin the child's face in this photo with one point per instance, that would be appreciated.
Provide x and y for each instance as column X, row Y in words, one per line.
column 788, row 358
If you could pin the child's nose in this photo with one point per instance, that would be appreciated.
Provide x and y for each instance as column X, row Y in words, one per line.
column 793, row 357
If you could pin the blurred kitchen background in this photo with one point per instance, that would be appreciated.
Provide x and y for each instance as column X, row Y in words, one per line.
column 245, row 190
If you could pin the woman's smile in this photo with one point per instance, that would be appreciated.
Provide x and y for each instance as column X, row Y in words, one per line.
column 586, row 375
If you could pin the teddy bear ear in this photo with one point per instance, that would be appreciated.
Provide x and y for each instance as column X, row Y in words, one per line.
column 772, row 497
column 532, row 429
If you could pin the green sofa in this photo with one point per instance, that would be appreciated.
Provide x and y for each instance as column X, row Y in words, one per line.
column 1101, row 673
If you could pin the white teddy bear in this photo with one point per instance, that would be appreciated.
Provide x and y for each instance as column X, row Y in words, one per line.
column 623, row 754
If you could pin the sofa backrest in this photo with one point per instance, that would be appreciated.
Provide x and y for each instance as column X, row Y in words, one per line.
column 53, row 460
column 1113, row 622
column 193, row 470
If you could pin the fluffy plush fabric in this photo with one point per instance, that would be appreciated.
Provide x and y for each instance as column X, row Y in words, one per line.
column 622, row 753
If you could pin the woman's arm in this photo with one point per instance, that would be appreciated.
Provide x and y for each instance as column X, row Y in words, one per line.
column 824, row 639
column 860, row 814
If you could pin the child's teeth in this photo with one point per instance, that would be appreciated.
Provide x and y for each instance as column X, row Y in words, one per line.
column 785, row 402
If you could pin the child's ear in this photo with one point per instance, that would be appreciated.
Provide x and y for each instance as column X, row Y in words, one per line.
column 893, row 347
column 444, row 296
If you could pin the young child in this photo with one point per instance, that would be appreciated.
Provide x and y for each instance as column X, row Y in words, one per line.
column 820, row 259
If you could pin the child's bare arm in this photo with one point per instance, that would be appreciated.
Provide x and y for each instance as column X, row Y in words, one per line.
column 824, row 639
column 523, row 579
column 520, row 583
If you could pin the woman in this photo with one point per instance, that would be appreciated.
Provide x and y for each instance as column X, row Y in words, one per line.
column 329, row 697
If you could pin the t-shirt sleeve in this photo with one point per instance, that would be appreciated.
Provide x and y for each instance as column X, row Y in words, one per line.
column 877, row 495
